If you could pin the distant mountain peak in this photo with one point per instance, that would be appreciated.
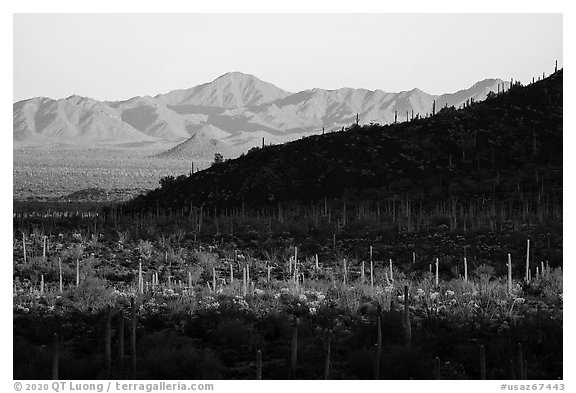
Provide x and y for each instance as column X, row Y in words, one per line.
column 487, row 82
column 231, row 90
column 236, row 75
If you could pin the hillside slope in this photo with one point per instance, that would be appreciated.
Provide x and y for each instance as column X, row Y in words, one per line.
column 509, row 144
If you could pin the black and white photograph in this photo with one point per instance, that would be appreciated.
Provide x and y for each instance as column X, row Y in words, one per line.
column 287, row 196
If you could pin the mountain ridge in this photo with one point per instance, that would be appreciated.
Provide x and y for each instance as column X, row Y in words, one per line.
column 236, row 103
column 498, row 150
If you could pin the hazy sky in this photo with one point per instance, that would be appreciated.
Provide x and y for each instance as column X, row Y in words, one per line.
column 118, row 56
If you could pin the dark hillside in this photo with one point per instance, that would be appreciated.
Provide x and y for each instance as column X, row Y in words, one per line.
column 506, row 148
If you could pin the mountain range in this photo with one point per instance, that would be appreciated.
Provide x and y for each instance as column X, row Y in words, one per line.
column 503, row 151
column 229, row 115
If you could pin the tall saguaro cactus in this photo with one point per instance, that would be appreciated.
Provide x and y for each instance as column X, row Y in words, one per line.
column 371, row 275
column 60, row 274
column 55, row 356
column 509, row 265
column 378, row 345
column 482, row 362
column 133, row 338
column 437, row 368
column 108, row 342
column 520, row 363
column 527, row 273
column 379, row 332
column 376, row 363
column 121, row 345
column 24, row 246
column 327, row 357
column 294, row 348
column 258, row 365
column 406, row 319
column 140, row 279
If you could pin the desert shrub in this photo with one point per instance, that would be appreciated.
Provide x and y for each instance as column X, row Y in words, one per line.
column 75, row 251
column 34, row 268
column 92, row 295
column 145, row 248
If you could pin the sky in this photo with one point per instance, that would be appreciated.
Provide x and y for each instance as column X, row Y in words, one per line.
column 119, row 56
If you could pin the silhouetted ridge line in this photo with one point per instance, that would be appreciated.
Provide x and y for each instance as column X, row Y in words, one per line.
column 505, row 144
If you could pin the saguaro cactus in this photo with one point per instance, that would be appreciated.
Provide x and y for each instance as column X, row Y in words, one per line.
column 482, row 362
column 520, row 363
column 370, row 253
column 55, row 356
column 434, row 108
column 294, row 348
column 376, row 362
column 295, row 257
column 108, row 342
column 327, row 357
column 406, row 319
column 60, row 273
column 258, row 365
column 121, row 344
column 140, row 280
column 24, row 246
column 509, row 265
column 379, row 331
column 437, row 278
column 527, row 273
column 465, row 270
column 133, row 338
